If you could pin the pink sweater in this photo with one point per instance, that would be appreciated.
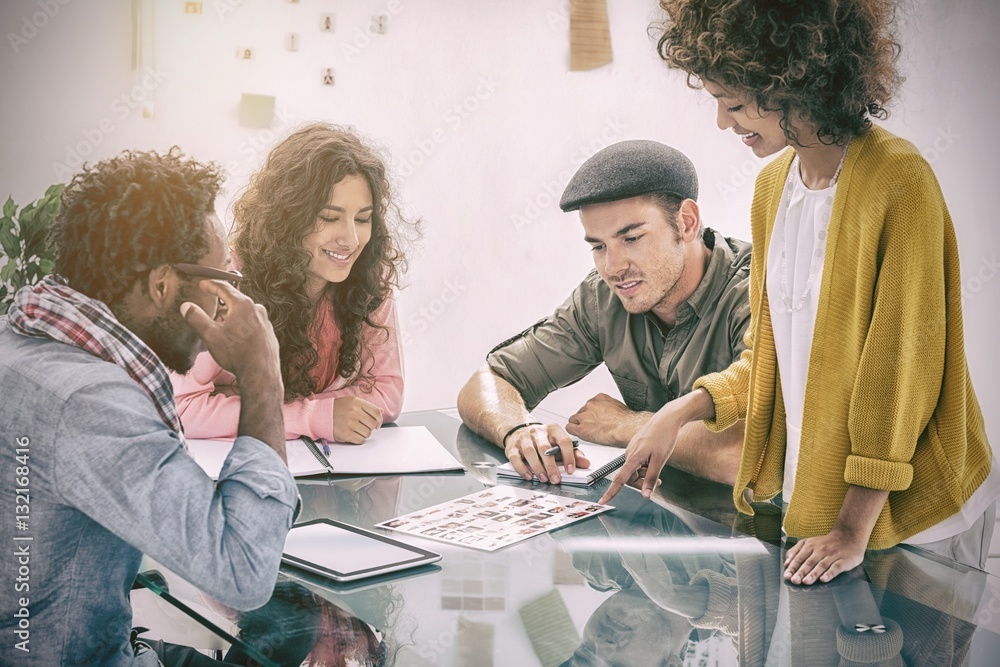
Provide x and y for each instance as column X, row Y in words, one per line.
column 208, row 415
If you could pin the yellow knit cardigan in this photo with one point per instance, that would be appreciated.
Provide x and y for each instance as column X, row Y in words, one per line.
column 888, row 402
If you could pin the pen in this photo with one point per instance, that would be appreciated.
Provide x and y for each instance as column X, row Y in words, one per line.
column 326, row 446
column 552, row 451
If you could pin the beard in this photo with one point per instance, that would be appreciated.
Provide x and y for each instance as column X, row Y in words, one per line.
column 171, row 339
column 673, row 278
column 661, row 285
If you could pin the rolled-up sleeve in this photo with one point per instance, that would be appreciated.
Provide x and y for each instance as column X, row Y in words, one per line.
column 129, row 473
column 555, row 352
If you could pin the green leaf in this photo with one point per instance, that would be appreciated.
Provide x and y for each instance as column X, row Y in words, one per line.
column 6, row 224
column 46, row 266
column 7, row 272
column 24, row 236
column 11, row 245
column 26, row 219
column 36, row 220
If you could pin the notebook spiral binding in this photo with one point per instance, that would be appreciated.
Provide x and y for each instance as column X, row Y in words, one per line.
column 608, row 467
column 311, row 444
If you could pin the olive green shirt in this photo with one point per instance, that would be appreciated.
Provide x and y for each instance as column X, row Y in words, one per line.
column 650, row 363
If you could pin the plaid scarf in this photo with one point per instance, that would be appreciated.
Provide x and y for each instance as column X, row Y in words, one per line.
column 52, row 309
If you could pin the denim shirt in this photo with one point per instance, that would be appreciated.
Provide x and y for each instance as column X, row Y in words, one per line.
column 91, row 480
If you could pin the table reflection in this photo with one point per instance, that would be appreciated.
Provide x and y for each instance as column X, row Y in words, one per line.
column 681, row 580
column 298, row 627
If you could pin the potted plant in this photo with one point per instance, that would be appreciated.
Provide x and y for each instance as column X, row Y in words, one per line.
column 26, row 255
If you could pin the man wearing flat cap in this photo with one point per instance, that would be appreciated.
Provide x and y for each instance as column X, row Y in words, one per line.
column 666, row 304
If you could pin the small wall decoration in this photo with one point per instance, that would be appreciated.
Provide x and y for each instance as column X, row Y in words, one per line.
column 192, row 8
column 292, row 41
column 256, row 110
column 328, row 76
column 589, row 35
column 327, row 22
column 245, row 53
column 380, row 23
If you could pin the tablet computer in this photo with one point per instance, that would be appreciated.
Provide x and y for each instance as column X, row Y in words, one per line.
column 344, row 552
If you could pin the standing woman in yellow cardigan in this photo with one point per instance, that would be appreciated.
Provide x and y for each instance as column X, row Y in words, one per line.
column 859, row 406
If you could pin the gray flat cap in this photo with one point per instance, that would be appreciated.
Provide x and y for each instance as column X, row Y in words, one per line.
column 629, row 169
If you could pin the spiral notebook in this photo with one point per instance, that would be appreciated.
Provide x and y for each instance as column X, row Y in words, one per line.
column 604, row 460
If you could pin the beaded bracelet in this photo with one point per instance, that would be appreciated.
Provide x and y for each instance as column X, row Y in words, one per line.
column 503, row 443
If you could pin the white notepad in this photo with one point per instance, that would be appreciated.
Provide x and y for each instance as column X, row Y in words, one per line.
column 394, row 450
column 604, row 460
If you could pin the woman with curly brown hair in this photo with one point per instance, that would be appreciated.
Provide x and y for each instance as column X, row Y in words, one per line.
column 312, row 237
column 860, row 409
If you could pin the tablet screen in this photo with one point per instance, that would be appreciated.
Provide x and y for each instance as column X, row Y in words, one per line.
column 345, row 553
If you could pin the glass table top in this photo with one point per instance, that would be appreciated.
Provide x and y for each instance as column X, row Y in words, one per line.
column 682, row 579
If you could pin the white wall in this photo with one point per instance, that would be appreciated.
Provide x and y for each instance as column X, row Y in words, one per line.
column 497, row 253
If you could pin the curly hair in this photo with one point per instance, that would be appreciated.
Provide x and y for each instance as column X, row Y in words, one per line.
column 275, row 213
column 131, row 213
column 830, row 63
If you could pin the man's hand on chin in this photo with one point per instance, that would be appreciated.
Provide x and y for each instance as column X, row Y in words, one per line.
column 605, row 420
